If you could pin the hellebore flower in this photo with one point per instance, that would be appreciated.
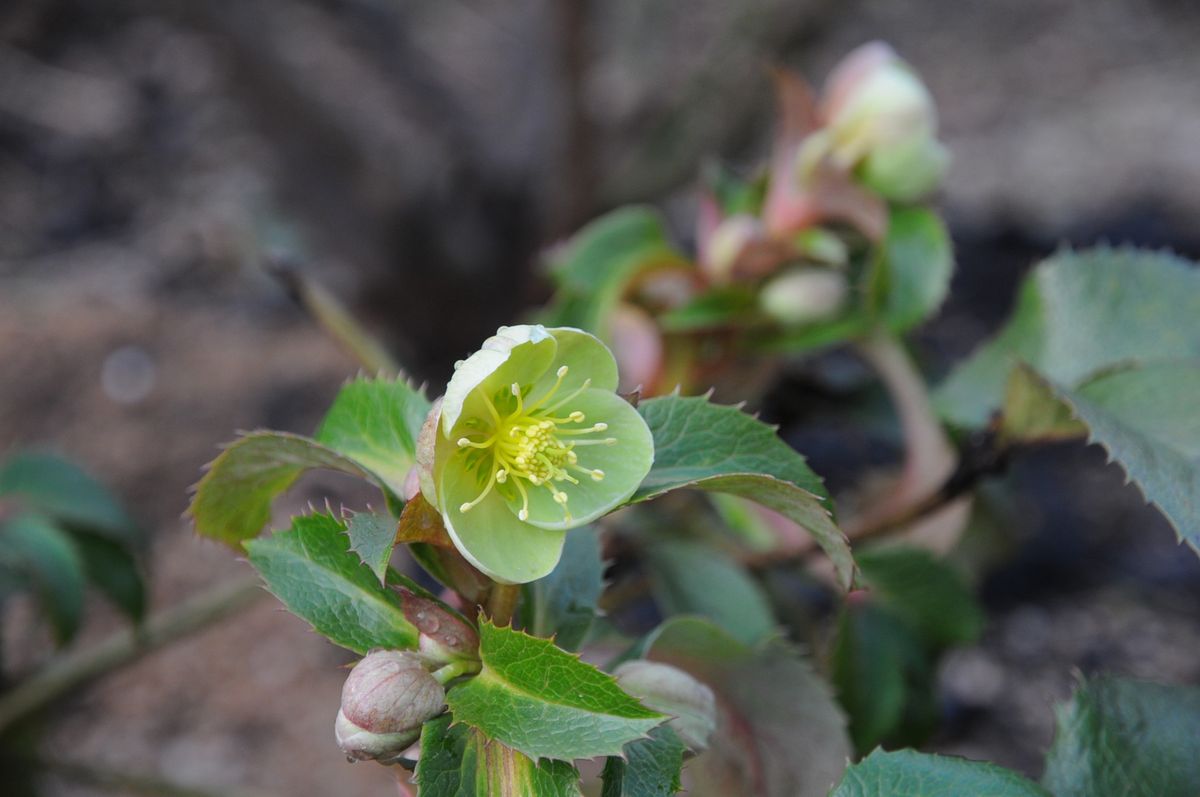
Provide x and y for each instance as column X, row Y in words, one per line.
column 880, row 120
column 530, row 440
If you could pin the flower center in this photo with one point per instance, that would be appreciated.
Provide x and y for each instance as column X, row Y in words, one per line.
column 527, row 447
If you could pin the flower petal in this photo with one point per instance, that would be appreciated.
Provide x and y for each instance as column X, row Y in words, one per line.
column 491, row 537
column 514, row 354
column 625, row 464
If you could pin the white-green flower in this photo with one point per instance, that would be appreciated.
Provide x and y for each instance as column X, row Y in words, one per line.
column 530, row 440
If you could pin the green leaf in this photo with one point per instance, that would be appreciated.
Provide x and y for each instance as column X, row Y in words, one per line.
column 883, row 678
column 233, row 501
column 312, row 570
column 604, row 257
column 545, row 702
column 915, row 267
column 689, row 577
column 907, row 773
column 1146, row 419
column 563, row 604
column 33, row 545
column 721, row 449
column 1032, row 413
column 375, row 422
column 779, row 731
column 62, row 490
column 1129, row 738
column 1079, row 313
column 925, row 591
column 650, row 767
column 372, row 537
column 735, row 305
column 115, row 572
column 457, row 761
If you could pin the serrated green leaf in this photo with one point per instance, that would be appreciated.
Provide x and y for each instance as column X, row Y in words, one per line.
column 64, row 491
column 915, row 267
column 706, row 446
column 907, row 773
column 233, row 501
column 563, row 604
column 312, row 570
column 1077, row 314
column 375, row 422
column 925, row 591
column 779, row 731
column 1146, row 418
column 372, row 537
column 689, row 577
column 34, row 545
column 457, row 761
column 545, row 702
column 603, row 258
column 114, row 571
column 650, row 768
column 1128, row 738
column 880, row 670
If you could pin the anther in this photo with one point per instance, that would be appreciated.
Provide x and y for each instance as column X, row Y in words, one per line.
column 561, row 372
column 598, row 475
column 523, row 514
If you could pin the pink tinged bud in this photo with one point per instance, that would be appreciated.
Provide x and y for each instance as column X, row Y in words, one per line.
column 729, row 241
column 386, row 699
column 444, row 637
column 881, row 120
column 804, row 297
column 672, row 691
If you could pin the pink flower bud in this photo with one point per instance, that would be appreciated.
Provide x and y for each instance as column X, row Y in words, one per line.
column 445, row 637
column 881, row 121
column 386, row 699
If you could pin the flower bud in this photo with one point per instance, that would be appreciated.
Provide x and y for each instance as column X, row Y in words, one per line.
column 385, row 700
column 804, row 296
column 445, row 637
column 728, row 241
column 672, row 691
column 881, row 120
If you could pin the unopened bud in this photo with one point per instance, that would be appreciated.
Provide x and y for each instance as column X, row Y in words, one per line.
column 804, row 296
column 881, row 120
column 672, row 691
column 386, row 699
column 729, row 240
column 445, row 637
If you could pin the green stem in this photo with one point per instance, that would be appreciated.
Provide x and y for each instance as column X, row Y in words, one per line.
column 76, row 668
column 503, row 602
column 336, row 320
column 454, row 669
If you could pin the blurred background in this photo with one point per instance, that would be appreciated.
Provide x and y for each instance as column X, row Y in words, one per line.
column 417, row 158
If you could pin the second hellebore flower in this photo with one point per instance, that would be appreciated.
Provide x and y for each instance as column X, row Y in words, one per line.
column 530, row 440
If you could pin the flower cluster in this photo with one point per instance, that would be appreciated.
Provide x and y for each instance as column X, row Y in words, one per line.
column 871, row 140
column 530, row 440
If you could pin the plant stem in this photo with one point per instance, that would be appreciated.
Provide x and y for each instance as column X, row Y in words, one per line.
column 78, row 667
column 503, row 602
column 445, row 675
column 333, row 317
column 929, row 458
